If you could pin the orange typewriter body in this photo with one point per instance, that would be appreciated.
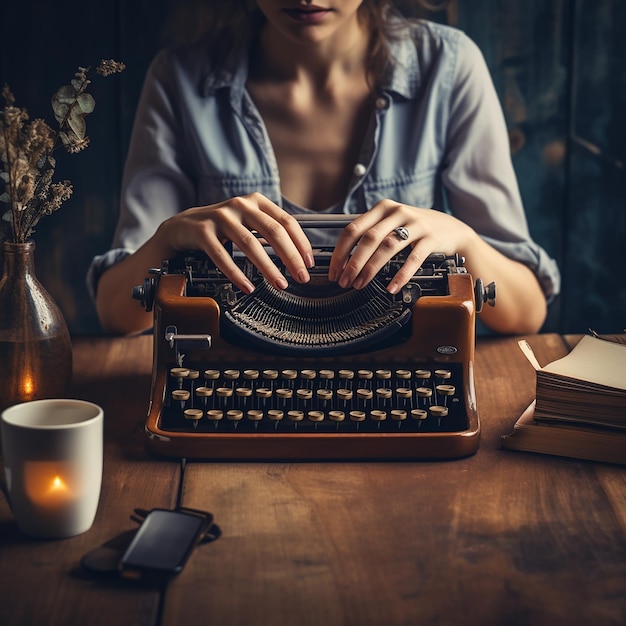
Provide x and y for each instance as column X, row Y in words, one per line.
column 218, row 394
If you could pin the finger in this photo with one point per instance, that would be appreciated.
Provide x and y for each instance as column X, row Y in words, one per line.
column 347, row 241
column 226, row 264
column 232, row 229
column 283, row 233
column 389, row 247
column 413, row 262
column 376, row 246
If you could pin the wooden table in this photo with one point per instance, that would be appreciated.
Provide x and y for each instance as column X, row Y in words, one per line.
column 498, row 538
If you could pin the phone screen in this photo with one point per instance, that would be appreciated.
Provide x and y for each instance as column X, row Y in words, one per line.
column 164, row 541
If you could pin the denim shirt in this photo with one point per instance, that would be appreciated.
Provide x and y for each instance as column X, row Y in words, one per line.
column 437, row 139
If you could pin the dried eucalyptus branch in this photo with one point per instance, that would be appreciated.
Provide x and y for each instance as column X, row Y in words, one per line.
column 26, row 151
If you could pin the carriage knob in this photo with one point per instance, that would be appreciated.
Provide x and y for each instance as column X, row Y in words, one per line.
column 484, row 294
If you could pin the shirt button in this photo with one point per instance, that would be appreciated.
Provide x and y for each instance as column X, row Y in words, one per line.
column 382, row 103
column 359, row 170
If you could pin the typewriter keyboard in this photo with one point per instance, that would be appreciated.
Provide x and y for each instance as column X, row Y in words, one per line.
column 307, row 400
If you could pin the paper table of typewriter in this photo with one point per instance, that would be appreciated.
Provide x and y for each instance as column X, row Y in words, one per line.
column 315, row 371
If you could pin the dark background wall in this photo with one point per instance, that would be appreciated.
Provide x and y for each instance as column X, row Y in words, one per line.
column 559, row 67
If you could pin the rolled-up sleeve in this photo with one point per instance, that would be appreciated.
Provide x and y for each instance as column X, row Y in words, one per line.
column 478, row 175
column 156, row 183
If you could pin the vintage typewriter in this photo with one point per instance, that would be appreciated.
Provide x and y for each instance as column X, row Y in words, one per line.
column 314, row 371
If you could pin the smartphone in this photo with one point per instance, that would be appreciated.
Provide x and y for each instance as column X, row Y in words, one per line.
column 164, row 542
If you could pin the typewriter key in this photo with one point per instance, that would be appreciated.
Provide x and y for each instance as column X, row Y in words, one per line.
column 231, row 374
column 378, row 416
column 364, row 394
column 423, row 375
column 215, row 415
column 179, row 372
column 403, row 374
column 438, row 412
column 357, row 416
column 181, row 395
column 295, row 416
column 289, row 376
column 316, row 416
column 419, row 414
column 344, row 394
column 324, row 395
column 404, row 393
column 193, row 414
column 383, row 393
column 336, row 416
column 398, row 414
column 304, row 394
column 244, row 393
column 284, row 394
column 425, row 394
column 383, row 374
column 445, row 391
column 443, row 374
column 275, row 415
column 204, row 393
column 254, row 415
column 250, row 374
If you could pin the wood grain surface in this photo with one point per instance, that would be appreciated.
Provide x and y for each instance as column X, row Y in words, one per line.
column 498, row 538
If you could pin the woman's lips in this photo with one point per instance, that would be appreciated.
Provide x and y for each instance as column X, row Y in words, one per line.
column 309, row 15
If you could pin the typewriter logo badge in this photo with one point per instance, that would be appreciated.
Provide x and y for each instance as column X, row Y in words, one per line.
column 447, row 350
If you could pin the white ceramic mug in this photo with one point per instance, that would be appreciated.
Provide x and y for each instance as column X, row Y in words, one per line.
column 52, row 455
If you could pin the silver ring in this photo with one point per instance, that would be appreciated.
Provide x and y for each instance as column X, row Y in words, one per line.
column 402, row 232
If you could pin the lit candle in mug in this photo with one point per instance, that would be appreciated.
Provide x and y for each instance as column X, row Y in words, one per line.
column 52, row 454
column 48, row 484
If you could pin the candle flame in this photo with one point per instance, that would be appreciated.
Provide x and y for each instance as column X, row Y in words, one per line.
column 57, row 484
column 28, row 386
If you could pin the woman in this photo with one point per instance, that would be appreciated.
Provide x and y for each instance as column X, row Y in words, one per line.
column 324, row 106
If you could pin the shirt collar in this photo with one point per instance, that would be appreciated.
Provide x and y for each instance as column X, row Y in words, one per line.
column 403, row 78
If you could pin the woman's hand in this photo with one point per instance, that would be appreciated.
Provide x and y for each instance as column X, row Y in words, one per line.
column 209, row 228
column 369, row 241
column 206, row 228
column 373, row 234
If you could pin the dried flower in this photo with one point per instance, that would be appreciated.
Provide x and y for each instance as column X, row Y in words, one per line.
column 27, row 164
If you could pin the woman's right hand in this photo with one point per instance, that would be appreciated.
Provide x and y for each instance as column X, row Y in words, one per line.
column 208, row 228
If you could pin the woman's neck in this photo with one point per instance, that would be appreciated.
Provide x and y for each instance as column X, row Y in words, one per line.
column 322, row 64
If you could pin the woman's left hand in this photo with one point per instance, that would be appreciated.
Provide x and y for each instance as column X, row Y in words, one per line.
column 370, row 240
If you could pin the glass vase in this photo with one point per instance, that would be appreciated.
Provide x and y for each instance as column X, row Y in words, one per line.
column 35, row 345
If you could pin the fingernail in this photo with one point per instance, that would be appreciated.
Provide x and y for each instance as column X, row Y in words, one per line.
column 303, row 276
column 344, row 282
column 281, row 283
column 393, row 288
column 309, row 260
column 358, row 283
column 332, row 276
column 247, row 287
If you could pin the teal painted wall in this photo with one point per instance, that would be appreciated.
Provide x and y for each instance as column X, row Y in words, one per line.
column 559, row 67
